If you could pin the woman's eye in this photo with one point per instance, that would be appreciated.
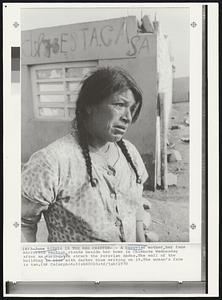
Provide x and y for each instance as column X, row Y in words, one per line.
column 119, row 104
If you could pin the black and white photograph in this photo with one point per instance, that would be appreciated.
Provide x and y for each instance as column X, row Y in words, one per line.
column 105, row 125
column 110, row 131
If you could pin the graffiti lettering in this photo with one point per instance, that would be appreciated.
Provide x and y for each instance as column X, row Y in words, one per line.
column 133, row 42
column 122, row 32
column 63, row 41
column 84, row 36
column 38, row 44
column 94, row 37
column 55, row 45
column 144, row 45
column 109, row 41
column 73, row 41
column 47, row 47
column 66, row 42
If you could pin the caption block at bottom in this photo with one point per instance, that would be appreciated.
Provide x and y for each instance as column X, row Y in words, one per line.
column 100, row 255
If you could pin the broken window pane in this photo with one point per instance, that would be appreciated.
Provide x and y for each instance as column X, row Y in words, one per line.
column 74, row 72
column 51, row 112
column 49, row 74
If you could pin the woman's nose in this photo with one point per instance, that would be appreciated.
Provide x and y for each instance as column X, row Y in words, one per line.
column 127, row 116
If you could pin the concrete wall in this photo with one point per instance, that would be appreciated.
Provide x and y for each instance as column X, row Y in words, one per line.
column 165, row 71
column 128, row 49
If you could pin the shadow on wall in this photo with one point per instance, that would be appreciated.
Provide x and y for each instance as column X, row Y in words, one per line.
column 149, row 162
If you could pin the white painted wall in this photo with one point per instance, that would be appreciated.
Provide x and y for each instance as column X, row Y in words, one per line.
column 174, row 22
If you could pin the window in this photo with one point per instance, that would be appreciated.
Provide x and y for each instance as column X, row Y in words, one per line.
column 55, row 89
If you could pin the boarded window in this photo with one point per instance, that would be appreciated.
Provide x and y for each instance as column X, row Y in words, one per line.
column 56, row 87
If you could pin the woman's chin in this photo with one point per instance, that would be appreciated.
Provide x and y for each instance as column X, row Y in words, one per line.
column 117, row 138
column 114, row 137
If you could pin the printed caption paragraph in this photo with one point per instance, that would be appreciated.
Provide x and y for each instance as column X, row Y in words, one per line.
column 100, row 255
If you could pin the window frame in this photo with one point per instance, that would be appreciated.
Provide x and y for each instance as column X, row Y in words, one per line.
column 67, row 104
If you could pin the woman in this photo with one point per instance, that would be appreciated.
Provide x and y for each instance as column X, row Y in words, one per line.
column 89, row 184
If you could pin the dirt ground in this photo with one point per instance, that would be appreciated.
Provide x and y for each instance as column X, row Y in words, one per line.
column 170, row 209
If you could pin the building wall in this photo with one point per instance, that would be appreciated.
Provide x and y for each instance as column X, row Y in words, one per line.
column 36, row 134
column 165, row 71
column 134, row 52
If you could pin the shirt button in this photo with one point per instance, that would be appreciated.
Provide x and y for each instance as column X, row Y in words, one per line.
column 113, row 195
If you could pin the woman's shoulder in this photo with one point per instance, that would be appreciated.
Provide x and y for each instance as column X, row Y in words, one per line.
column 137, row 159
column 64, row 145
column 131, row 147
column 59, row 150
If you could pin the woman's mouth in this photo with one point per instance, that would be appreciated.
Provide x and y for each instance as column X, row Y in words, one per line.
column 120, row 129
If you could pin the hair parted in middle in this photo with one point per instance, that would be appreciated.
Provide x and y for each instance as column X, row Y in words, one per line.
column 95, row 88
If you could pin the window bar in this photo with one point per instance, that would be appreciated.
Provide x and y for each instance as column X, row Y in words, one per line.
column 65, row 94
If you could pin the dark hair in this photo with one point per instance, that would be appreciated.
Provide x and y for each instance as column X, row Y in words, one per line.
column 96, row 87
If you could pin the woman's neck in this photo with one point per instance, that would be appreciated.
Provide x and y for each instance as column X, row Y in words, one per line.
column 98, row 144
column 101, row 148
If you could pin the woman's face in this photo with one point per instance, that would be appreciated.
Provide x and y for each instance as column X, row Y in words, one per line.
column 109, row 120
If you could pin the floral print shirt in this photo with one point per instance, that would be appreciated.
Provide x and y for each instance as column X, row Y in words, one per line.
column 55, row 182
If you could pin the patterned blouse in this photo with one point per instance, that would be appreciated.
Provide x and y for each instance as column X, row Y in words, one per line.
column 55, row 182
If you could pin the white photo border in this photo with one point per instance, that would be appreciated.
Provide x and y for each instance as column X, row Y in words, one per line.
column 12, row 132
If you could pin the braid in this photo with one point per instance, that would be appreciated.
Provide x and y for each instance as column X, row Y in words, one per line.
column 85, row 149
column 125, row 151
